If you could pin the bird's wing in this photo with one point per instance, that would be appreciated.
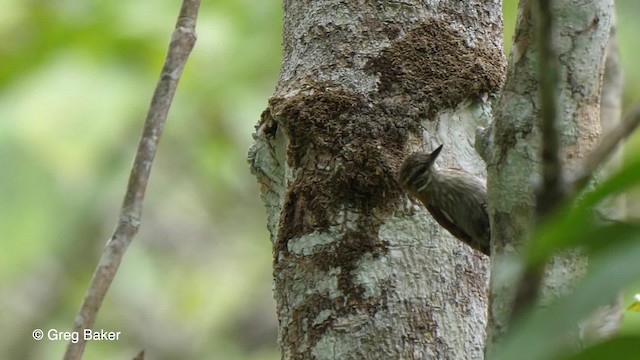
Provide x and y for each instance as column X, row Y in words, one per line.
column 446, row 222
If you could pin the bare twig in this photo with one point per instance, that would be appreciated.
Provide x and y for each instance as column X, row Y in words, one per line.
column 606, row 147
column 551, row 193
column 182, row 41
column 552, row 190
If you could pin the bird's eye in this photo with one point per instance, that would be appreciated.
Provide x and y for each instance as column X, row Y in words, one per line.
column 415, row 173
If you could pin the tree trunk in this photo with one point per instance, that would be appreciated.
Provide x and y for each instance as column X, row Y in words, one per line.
column 582, row 32
column 359, row 271
column 606, row 321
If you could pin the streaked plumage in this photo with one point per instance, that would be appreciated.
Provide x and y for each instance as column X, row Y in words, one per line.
column 456, row 199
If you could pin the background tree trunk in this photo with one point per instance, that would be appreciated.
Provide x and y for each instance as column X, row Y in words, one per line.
column 359, row 271
column 582, row 32
column 606, row 322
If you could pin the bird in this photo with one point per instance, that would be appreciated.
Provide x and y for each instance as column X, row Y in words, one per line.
column 455, row 198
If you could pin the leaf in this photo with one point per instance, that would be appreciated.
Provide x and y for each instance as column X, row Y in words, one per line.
column 619, row 348
column 542, row 334
column 575, row 222
column 635, row 306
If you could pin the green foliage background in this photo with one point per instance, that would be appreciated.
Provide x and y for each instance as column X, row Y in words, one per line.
column 75, row 81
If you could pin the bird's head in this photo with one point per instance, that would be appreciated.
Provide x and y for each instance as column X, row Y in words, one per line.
column 416, row 169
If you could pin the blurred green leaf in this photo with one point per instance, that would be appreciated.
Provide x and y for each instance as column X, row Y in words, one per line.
column 578, row 225
column 543, row 333
column 621, row 348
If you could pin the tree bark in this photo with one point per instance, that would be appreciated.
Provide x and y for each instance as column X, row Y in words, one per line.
column 611, row 115
column 359, row 271
column 582, row 33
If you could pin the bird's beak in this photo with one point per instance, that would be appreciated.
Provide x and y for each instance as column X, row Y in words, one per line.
column 434, row 154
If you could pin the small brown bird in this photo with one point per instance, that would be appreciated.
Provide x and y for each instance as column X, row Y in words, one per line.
column 456, row 199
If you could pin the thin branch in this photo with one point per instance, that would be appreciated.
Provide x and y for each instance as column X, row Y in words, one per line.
column 551, row 193
column 606, row 147
column 182, row 41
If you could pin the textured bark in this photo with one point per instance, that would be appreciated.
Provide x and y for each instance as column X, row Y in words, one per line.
column 611, row 113
column 359, row 271
column 513, row 161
